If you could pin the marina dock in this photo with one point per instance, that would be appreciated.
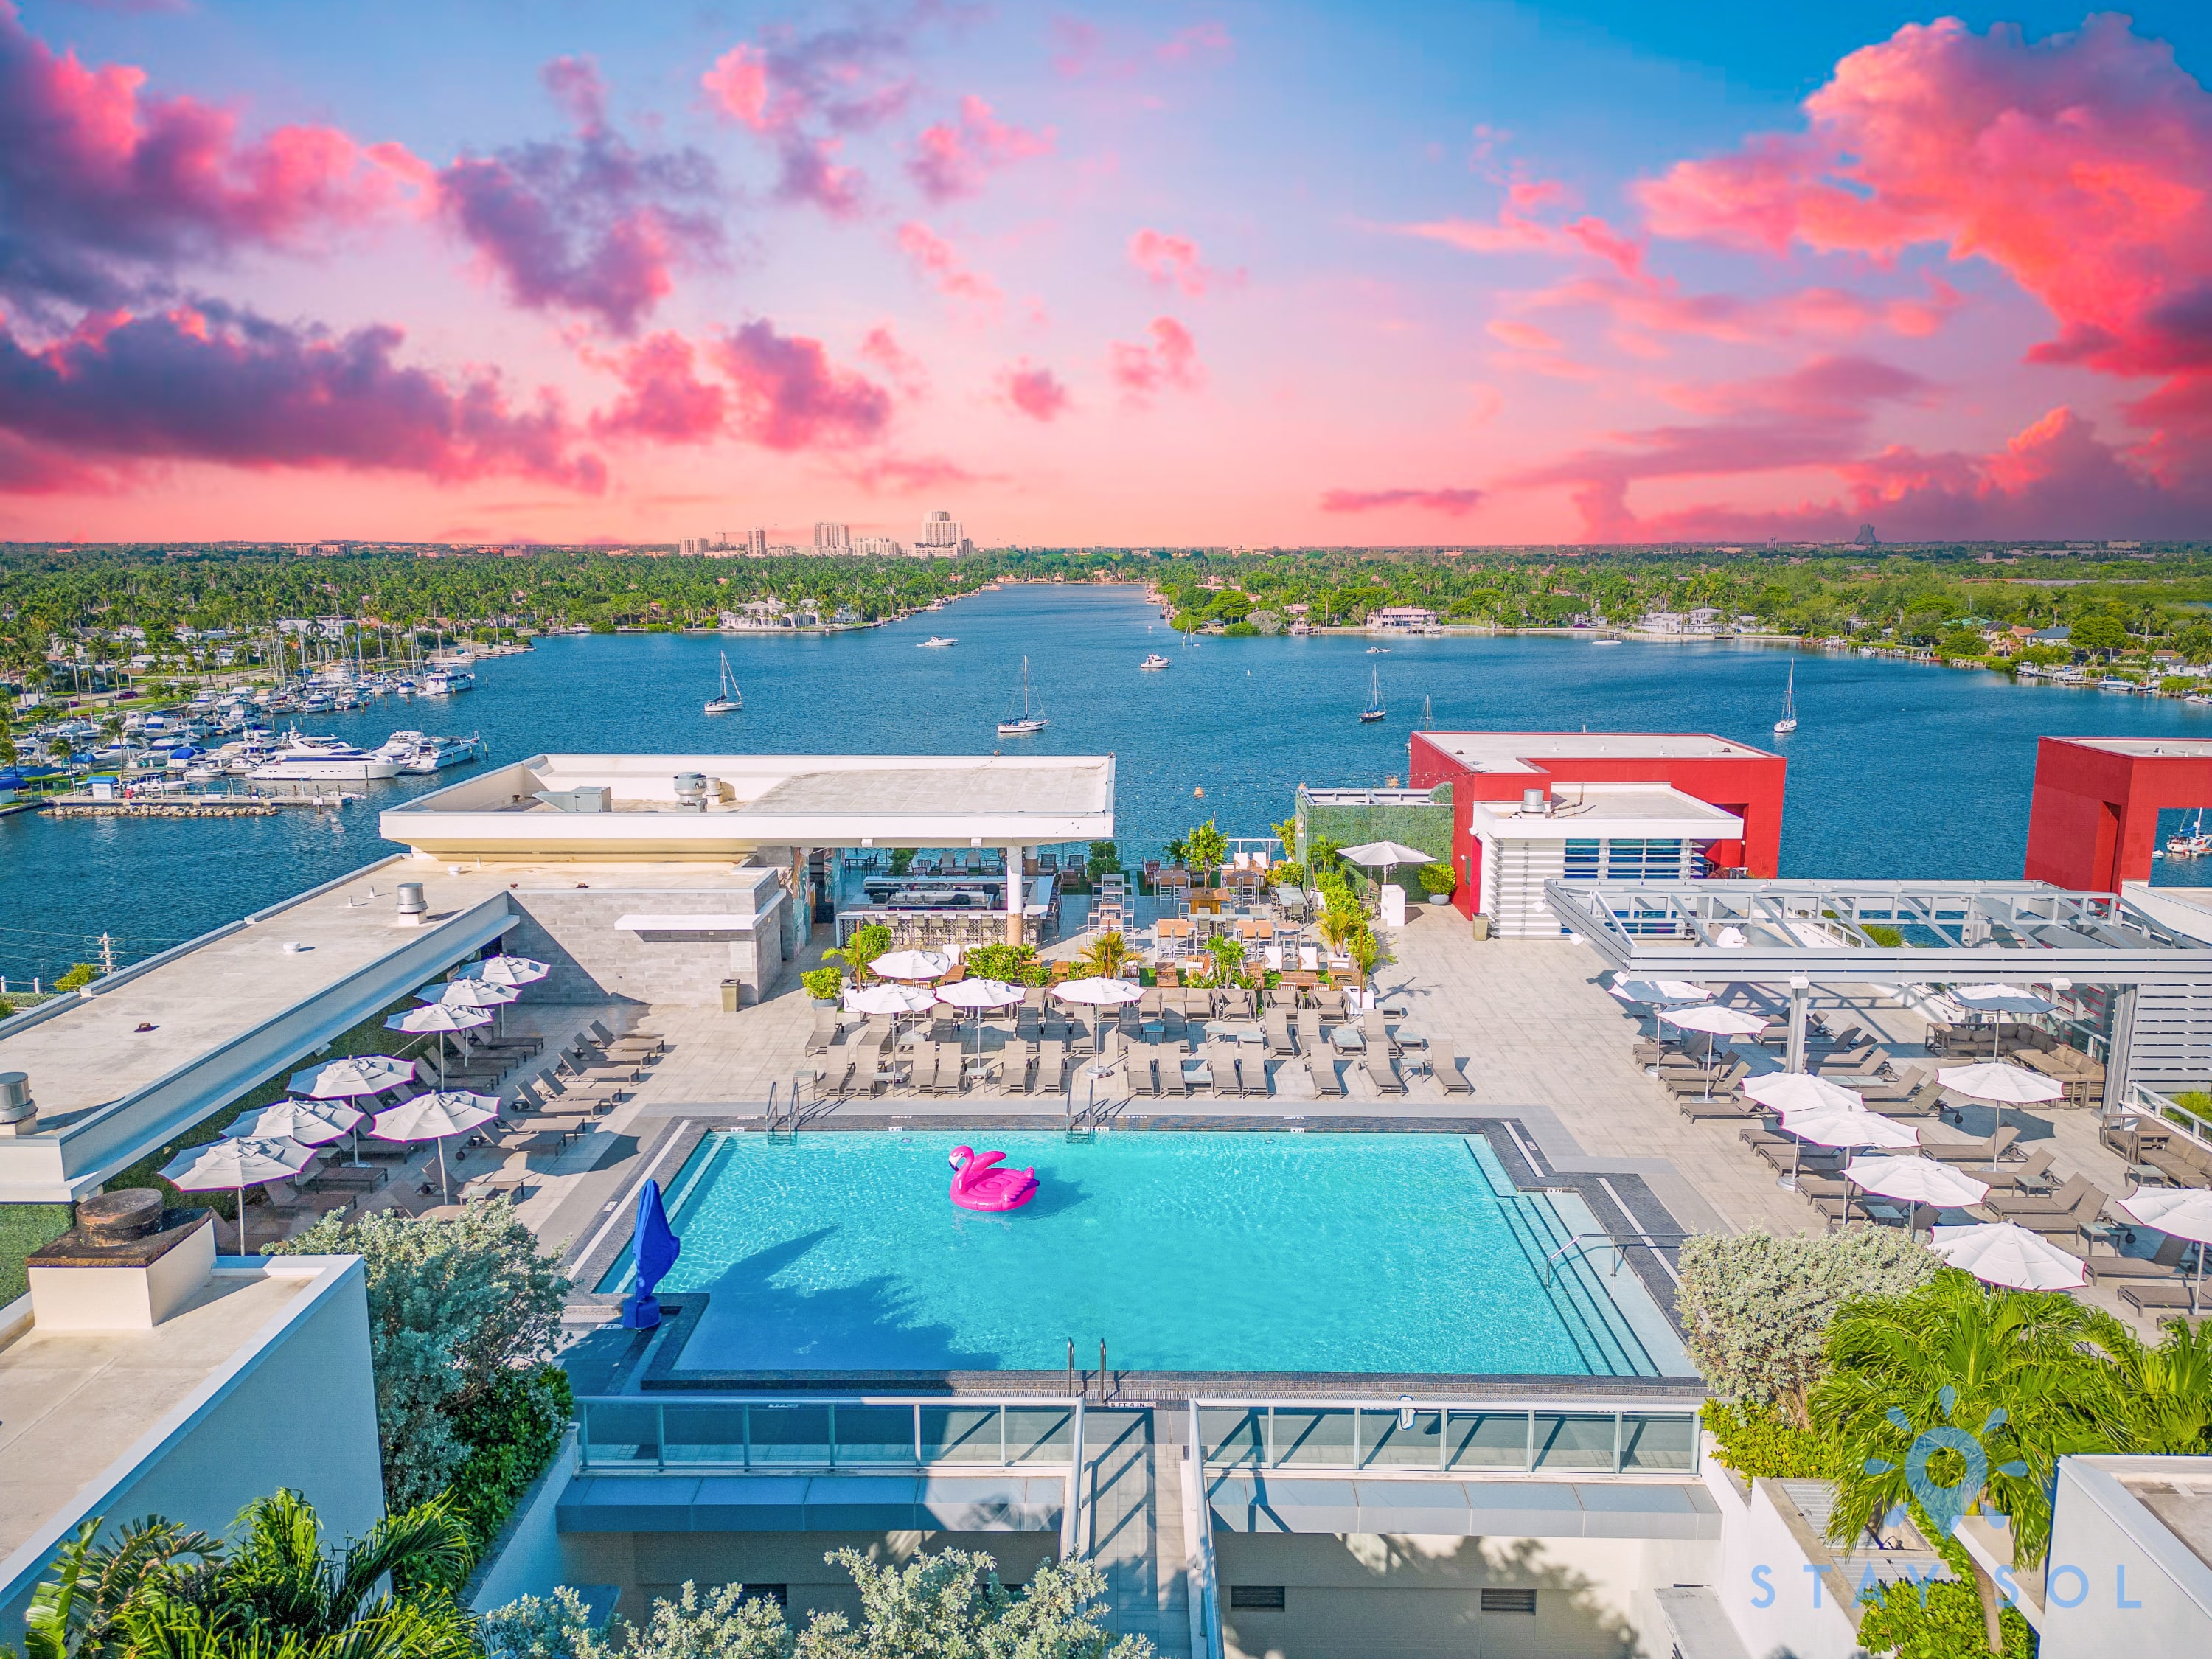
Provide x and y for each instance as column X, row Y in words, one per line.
column 80, row 806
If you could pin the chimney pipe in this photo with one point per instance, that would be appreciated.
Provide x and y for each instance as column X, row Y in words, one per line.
column 413, row 907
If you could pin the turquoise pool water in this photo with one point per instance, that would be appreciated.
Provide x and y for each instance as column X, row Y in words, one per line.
column 1185, row 1252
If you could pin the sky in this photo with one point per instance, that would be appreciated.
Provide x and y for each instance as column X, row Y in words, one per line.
column 1150, row 274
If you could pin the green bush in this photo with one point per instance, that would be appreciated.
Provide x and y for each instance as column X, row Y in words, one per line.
column 1438, row 879
column 901, row 859
column 823, row 983
column 77, row 977
column 1015, row 964
column 512, row 1429
column 1756, row 1440
column 1947, row 1625
column 1889, row 938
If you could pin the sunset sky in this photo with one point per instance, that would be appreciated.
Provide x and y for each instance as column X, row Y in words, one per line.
column 1143, row 274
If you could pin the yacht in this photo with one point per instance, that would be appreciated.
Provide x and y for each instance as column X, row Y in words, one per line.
column 311, row 760
column 728, row 700
column 1788, row 723
column 2114, row 682
column 419, row 754
column 2192, row 841
column 1024, row 725
column 1155, row 662
column 445, row 682
column 934, row 642
column 1374, row 711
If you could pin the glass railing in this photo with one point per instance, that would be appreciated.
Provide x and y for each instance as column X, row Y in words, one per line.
column 1472, row 1438
column 642, row 1434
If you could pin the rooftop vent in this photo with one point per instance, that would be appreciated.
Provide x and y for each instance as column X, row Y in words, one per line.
column 413, row 907
column 691, row 789
column 1535, row 804
column 591, row 798
column 19, row 1113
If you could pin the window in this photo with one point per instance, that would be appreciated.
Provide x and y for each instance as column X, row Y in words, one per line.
column 1509, row 1600
column 1582, row 860
column 1259, row 1598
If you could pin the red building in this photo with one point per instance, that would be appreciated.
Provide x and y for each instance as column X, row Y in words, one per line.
column 1532, row 807
column 2093, row 821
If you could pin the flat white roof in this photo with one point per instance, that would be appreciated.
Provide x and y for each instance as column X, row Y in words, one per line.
column 1514, row 751
column 1624, row 812
column 2179, row 748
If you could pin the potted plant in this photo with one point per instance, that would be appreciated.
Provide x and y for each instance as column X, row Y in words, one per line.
column 822, row 984
column 1440, row 880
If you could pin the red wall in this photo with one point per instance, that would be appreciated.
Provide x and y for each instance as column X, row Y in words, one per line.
column 2092, row 820
column 1751, row 786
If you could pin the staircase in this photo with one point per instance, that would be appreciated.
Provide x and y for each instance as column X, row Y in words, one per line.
column 1131, row 1525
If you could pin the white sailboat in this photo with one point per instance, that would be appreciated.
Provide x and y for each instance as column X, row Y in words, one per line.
column 1025, row 725
column 1788, row 720
column 1374, row 711
column 729, row 700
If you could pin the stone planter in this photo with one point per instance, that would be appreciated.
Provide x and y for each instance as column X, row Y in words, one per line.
column 1440, row 898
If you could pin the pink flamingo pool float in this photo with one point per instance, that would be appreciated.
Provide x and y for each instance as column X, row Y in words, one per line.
column 978, row 1185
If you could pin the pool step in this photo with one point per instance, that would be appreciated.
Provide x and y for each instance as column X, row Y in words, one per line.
column 1572, row 1280
column 1131, row 1526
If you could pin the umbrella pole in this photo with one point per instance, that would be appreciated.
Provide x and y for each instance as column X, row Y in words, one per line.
column 242, row 1217
column 445, row 1187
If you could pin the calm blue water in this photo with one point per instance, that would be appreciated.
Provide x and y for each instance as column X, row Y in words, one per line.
column 1897, row 770
column 1243, row 1252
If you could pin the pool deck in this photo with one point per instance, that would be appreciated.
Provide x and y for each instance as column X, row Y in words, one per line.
column 1548, row 1052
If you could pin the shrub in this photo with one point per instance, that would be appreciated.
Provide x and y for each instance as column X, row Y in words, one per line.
column 1939, row 1620
column 1205, row 847
column 1438, row 879
column 77, row 977
column 1755, row 1440
column 1757, row 1308
column 512, row 1430
column 823, row 983
column 1016, row 964
column 1889, row 938
column 1105, row 859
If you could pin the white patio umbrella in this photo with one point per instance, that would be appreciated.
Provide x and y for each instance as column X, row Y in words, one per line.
column 1384, row 855
column 2001, row 1000
column 1658, row 992
column 477, row 993
column 911, row 964
column 1097, row 993
column 1917, row 1181
column 436, row 1117
column 436, row 1017
column 1833, row 1126
column 974, row 995
column 2005, row 1252
column 1714, row 1021
column 888, row 1000
column 225, row 1165
column 503, row 970
column 2181, row 1212
column 2000, row 1084
column 310, row 1122
column 1797, row 1091
column 356, row 1074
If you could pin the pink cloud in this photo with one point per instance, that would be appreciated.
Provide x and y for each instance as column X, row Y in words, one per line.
column 1170, row 261
column 911, row 475
column 1036, row 393
column 1515, row 230
column 800, row 91
column 789, row 396
column 662, row 398
column 953, row 158
column 1199, row 40
column 935, row 259
column 108, row 188
column 1449, row 503
column 1081, row 51
column 1170, row 360
column 881, row 347
column 231, row 389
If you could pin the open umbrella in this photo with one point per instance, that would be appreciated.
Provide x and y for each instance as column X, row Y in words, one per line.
column 1714, row 1021
column 911, row 964
column 223, row 1164
column 2000, row 1084
column 1658, row 992
column 503, row 970
column 1832, row 1126
column 310, row 1122
column 2001, row 1000
column 477, row 993
column 356, row 1074
column 2180, row 1212
column 974, row 995
column 1917, row 1181
column 887, row 1000
column 436, row 1117
column 436, row 1016
column 2005, row 1252
column 1097, row 993
column 1384, row 855
column 1797, row 1091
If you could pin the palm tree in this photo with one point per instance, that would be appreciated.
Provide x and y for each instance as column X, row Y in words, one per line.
column 864, row 947
column 1105, row 956
column 2165, row 1391
column 1920, row 1387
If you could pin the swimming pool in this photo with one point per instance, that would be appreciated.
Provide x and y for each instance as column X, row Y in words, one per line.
column 1185, row 1252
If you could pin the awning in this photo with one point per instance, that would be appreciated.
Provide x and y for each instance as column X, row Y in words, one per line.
column 1246, row 1502
column 812, row 1503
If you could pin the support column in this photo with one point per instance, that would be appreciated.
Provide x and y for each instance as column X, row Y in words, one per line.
column 1800, row 994
column 1014, row 857
column 2119, row 1053
column 802, row 893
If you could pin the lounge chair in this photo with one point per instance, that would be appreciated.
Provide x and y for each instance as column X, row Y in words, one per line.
column 1221, row 1066
column 1279, row 1033
column 1310, row 1041
column 1143, row 1079
column 2020, row 1204
column 1173, row 1082
column 1843, row 1062
column 1718, row 1084
column 1377, row 1036
column 2021, row 1177
column 947, row 1076
column 2167, row 1296
column 824, row 1034
column 1150, row 1004
column 1840, row 1210
column 1251, row 1071
column 2164, row 1263
column 834, row 1080
column 1381, row 1073
column 1980, row 1151
column 1052, row 1065
column 1321, row 1067
column 1727, row 1107
column 1446, row 1070
column 1925, row 1101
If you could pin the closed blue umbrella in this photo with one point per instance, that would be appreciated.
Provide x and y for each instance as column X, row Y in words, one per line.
column 654, row 1247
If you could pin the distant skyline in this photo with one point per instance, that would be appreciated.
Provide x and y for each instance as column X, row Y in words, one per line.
column 1146, row 274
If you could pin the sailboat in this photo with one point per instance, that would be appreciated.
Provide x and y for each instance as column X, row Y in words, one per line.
column 1788, row 720
column 2192, row 843
column 1374, row 711
column 1025, row 725
column 729, row 700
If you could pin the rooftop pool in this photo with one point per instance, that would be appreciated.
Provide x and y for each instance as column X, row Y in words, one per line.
column 1388, row 1254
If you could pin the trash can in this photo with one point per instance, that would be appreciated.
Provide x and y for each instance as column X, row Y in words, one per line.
column 730, row 989
column 1481, row 925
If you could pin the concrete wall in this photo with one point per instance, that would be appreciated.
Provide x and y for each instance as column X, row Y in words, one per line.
column 300, row 1413
column 2119, row 1581
column 646, row 1566
column 1777, row 1583
column 571, row 929
column 1366, row 1596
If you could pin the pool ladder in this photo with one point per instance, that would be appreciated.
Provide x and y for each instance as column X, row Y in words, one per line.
column 783, row 1127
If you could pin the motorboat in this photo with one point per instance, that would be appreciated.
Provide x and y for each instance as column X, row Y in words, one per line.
column 447, row 682
column 320, row 760
column 2192, row 843
column 978, row 1183
column 728, row 700
column 1605, row 641
column 1788, row 723
column 1024, row 725
column 2114, row 682
column 1154, row 663
column 1374, row 711
column 420, row 754
column 934, row 642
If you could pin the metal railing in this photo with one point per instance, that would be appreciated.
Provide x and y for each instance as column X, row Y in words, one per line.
column 2148, row 1103
column 1567, row 1438
column 644, row 1434
column 1579, row 1246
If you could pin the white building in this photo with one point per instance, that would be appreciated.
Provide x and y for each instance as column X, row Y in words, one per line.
column 832, row 537
column 878, row 547
column 940, row 533
column 756, row 544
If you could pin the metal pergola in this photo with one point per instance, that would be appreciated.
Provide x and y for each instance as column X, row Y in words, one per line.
column 1802, row 933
